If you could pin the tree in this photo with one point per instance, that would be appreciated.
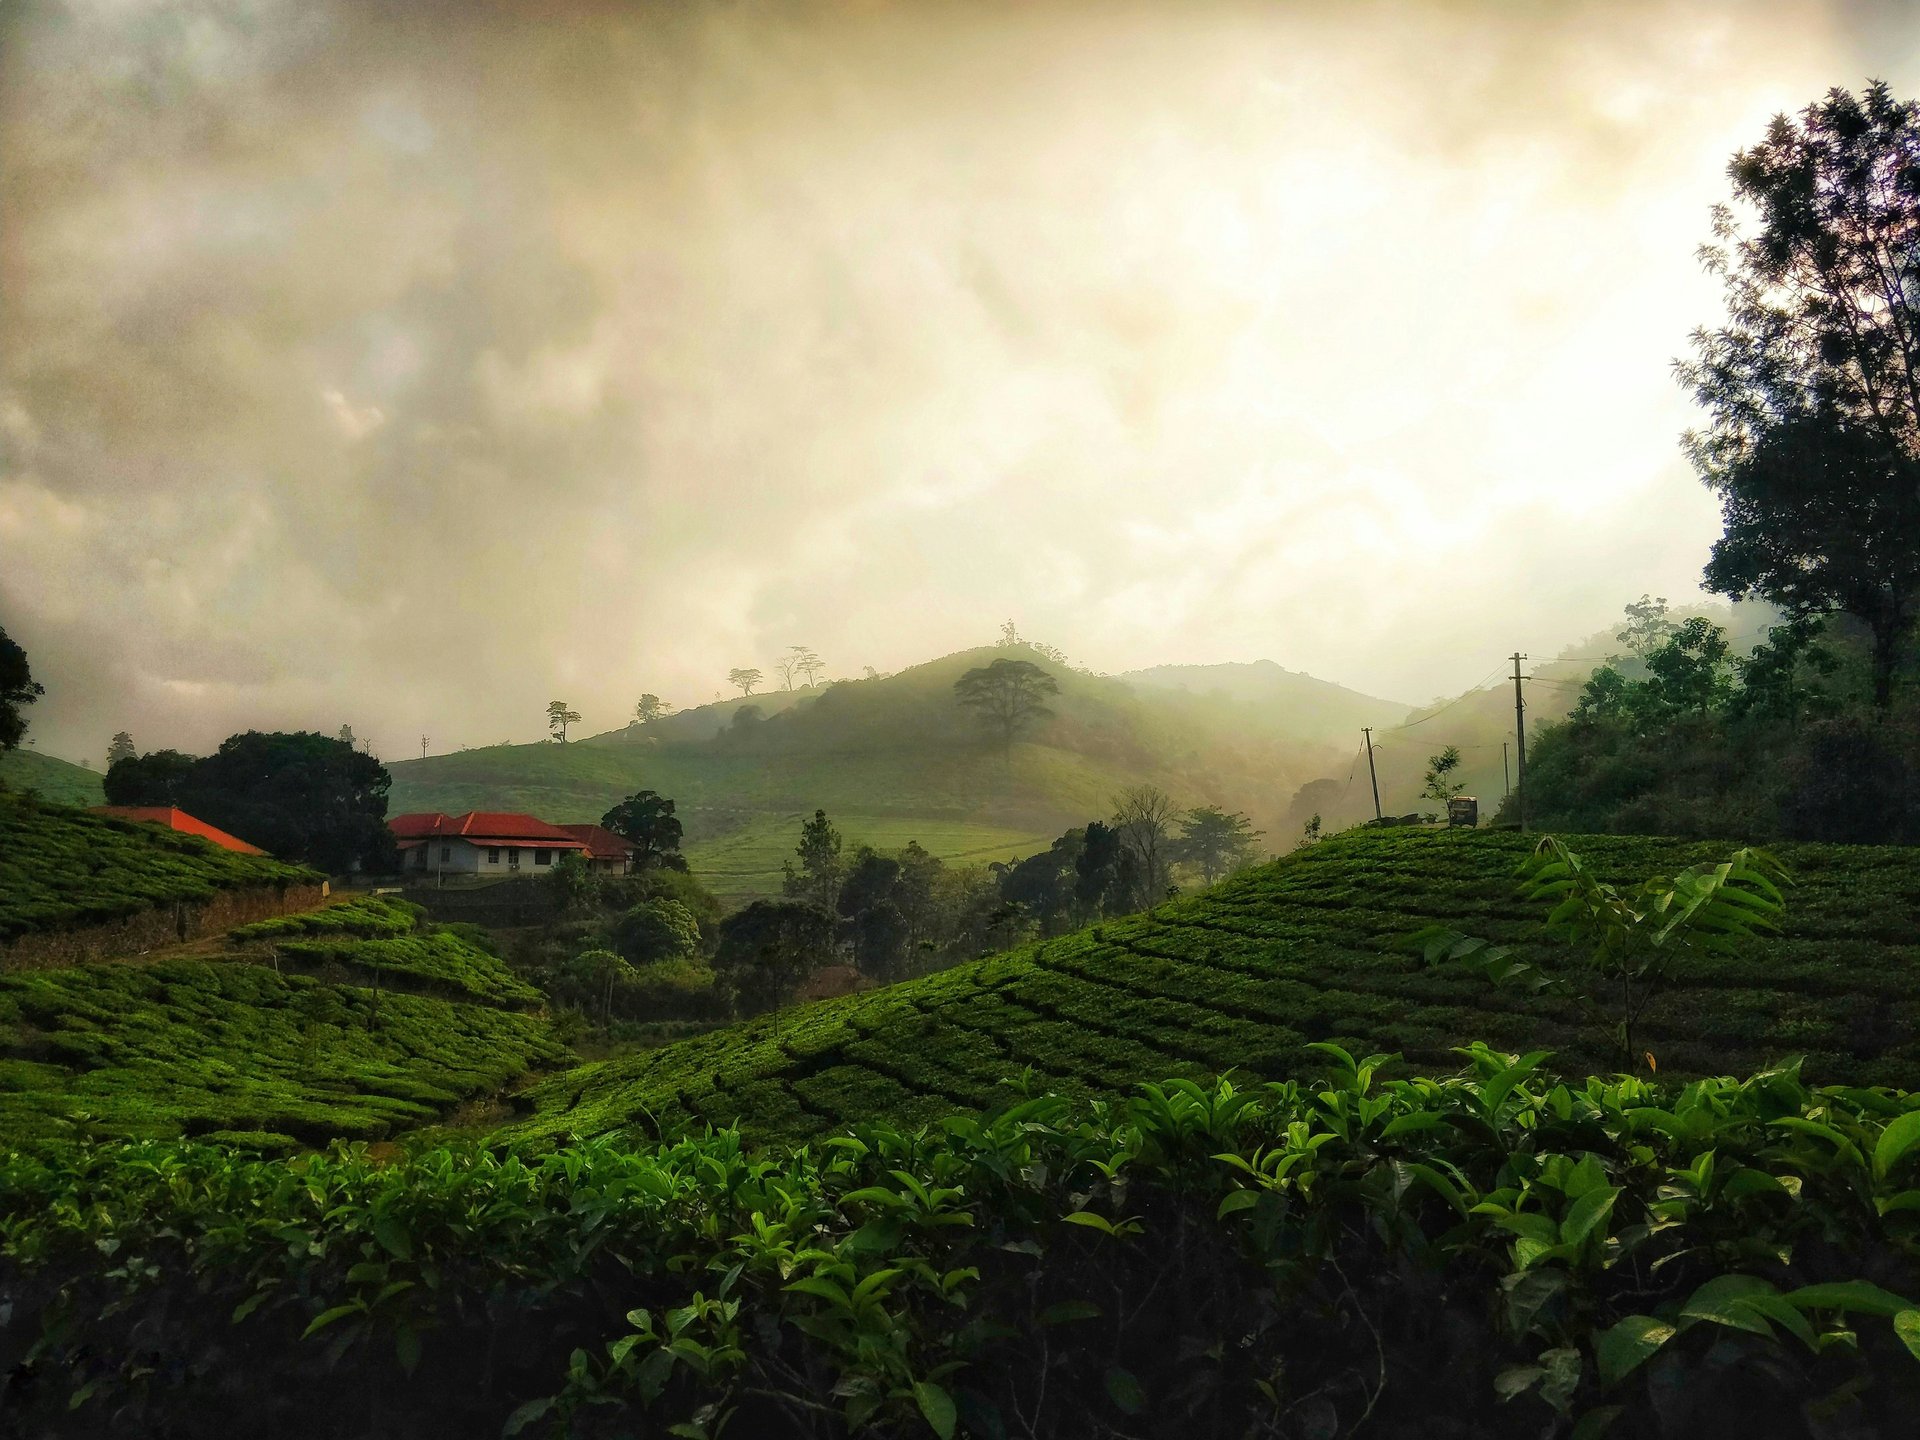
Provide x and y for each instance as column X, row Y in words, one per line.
column 120, row 748
column 1812, row 386
column 1046, row 886
column 1214, row 842
column 302, row 795
column 811, row 665
column 570, row 882
column 1009, row 636
column 799, row 660
column 559, row 717
column 1647, row 624
column 601, row 969
column 646, row 821
column 156, row 778
column 769, row 948
column 1143, row 814
column 648, row 709
column 345, row 737
column 17, row 689
column 817, row 880
column 1107, row 878
column 745, row 679
column 1006, row 697
column 655, row 932
column 1625, row 940
column 1440, row 785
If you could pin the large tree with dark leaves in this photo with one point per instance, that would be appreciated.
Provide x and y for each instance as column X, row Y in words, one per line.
column 1813, row 382
column 647, row 822
column 17, row 688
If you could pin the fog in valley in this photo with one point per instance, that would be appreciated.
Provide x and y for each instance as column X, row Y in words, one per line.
column 408, row 365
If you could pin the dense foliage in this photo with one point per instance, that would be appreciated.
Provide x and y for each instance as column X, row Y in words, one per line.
column 1305, row 949
column 60, row 868
column 1477, row 1256
column 197, row 1048
column 18, row 689
column 302, row 795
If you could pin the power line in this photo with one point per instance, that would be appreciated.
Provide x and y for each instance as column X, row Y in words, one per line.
column 1450, row 704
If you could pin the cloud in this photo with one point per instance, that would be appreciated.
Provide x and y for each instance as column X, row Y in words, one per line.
column 411, row 364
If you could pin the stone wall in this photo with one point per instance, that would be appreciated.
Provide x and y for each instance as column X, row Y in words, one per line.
column 162, row 926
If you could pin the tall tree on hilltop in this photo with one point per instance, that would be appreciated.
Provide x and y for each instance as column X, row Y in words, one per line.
column 120, row 748
column 559, row 717
column 1646, row 626
column 649, row 708
column 799, row 660
column 1006, row 697
column 1813, row 383
column 745, row 678
column 17, row 689
column 646, row 821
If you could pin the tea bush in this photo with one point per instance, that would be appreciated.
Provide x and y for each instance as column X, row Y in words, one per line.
column 1495, row 1254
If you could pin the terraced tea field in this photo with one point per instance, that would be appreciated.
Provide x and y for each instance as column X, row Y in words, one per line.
column 1297, row 951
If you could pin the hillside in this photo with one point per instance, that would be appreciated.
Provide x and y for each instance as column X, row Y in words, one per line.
column 61, row 868
column 895, row 756
column 49, row 778
column 1265, row 697
column 1300, row 950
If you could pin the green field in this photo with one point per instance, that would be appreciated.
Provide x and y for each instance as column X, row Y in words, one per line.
column 745, row 864
column 51, row 779
column 61, row 867
column 1302, row 950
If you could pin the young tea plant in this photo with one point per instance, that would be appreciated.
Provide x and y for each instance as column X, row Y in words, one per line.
column 1626, row 940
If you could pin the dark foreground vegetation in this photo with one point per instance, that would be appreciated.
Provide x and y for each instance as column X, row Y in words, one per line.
column 1494, row 1254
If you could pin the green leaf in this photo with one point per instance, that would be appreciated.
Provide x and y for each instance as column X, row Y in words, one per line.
column 1124, row 1390
column 1907, row 1326
column 1237, row 1201
column 937, row 1405
column 1590, row 1210
column 1858, row 1295
column 1596, row 1423
column 406, row 1348
column 526, row 1415
column 327, row 1317
column 1719, row 1301
column 1517, row 1380
column 1090, row 1220
column 1622, row 1347
column 393, row 1237
column 1068, row 1311
column 1895, row 1141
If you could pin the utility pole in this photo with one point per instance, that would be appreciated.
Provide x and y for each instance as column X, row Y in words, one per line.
column 423, row 747
column 1506, row 775
column 1520, row 742
column 1367, row 731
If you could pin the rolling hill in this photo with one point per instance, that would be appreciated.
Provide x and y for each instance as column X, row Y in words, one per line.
column 49, row 778
column 1246, row 975
column 893, row 758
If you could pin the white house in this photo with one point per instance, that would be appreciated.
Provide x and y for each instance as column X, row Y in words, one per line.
column 481, row 842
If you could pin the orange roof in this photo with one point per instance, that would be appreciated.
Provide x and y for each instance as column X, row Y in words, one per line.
column 483, row 827
column 176, row 819
column 601, row 843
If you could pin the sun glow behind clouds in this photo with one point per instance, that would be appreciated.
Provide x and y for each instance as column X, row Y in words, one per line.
column 452, row 358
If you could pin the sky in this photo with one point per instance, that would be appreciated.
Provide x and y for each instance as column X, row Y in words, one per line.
column 409, row 365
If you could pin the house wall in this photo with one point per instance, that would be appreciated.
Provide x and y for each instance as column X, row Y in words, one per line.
column 466, row 857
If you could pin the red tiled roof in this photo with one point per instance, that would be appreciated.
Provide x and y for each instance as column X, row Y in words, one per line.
column 483, row 827
column 176, row 819
column 601, row 843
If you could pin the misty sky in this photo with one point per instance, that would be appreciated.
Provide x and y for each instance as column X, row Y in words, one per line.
column 410, row 365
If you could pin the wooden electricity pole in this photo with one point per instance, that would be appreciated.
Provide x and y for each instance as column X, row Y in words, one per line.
column 1370, row 775
column 1520, row 743
column 423, row 747
column 1506, row 775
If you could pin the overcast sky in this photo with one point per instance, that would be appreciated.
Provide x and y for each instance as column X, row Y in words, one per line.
column 410, row 365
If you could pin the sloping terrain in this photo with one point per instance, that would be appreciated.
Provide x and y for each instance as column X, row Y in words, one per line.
column 53, row 780
column 899, row 746
column 343, row 1022
column 61, row 868
column 1301, row 950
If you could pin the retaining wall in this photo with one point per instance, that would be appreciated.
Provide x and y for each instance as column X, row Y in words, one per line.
column 164, row 925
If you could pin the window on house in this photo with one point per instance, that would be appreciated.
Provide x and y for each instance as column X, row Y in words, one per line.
column 493, row 855
column 513, row 857
column 543, row 857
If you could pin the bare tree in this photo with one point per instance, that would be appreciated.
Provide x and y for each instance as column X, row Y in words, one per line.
column 799, row 660
column 1143, row 814
column 744, row 678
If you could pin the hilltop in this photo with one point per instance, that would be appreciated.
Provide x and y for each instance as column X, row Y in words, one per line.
column 1247, row 975
column 893, row 758
column 51, row 779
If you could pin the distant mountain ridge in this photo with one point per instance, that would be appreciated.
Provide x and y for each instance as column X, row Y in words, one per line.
column 1290, row 700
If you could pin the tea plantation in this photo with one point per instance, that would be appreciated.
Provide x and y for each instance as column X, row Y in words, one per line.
column 1245, row 976
column 61, row 868
column 340, row 1022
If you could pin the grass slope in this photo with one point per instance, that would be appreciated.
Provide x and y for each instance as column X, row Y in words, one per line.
column 744, row 863
column 61, row 867
column 54, row 780
column 1301, row 950
column 899, row 746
